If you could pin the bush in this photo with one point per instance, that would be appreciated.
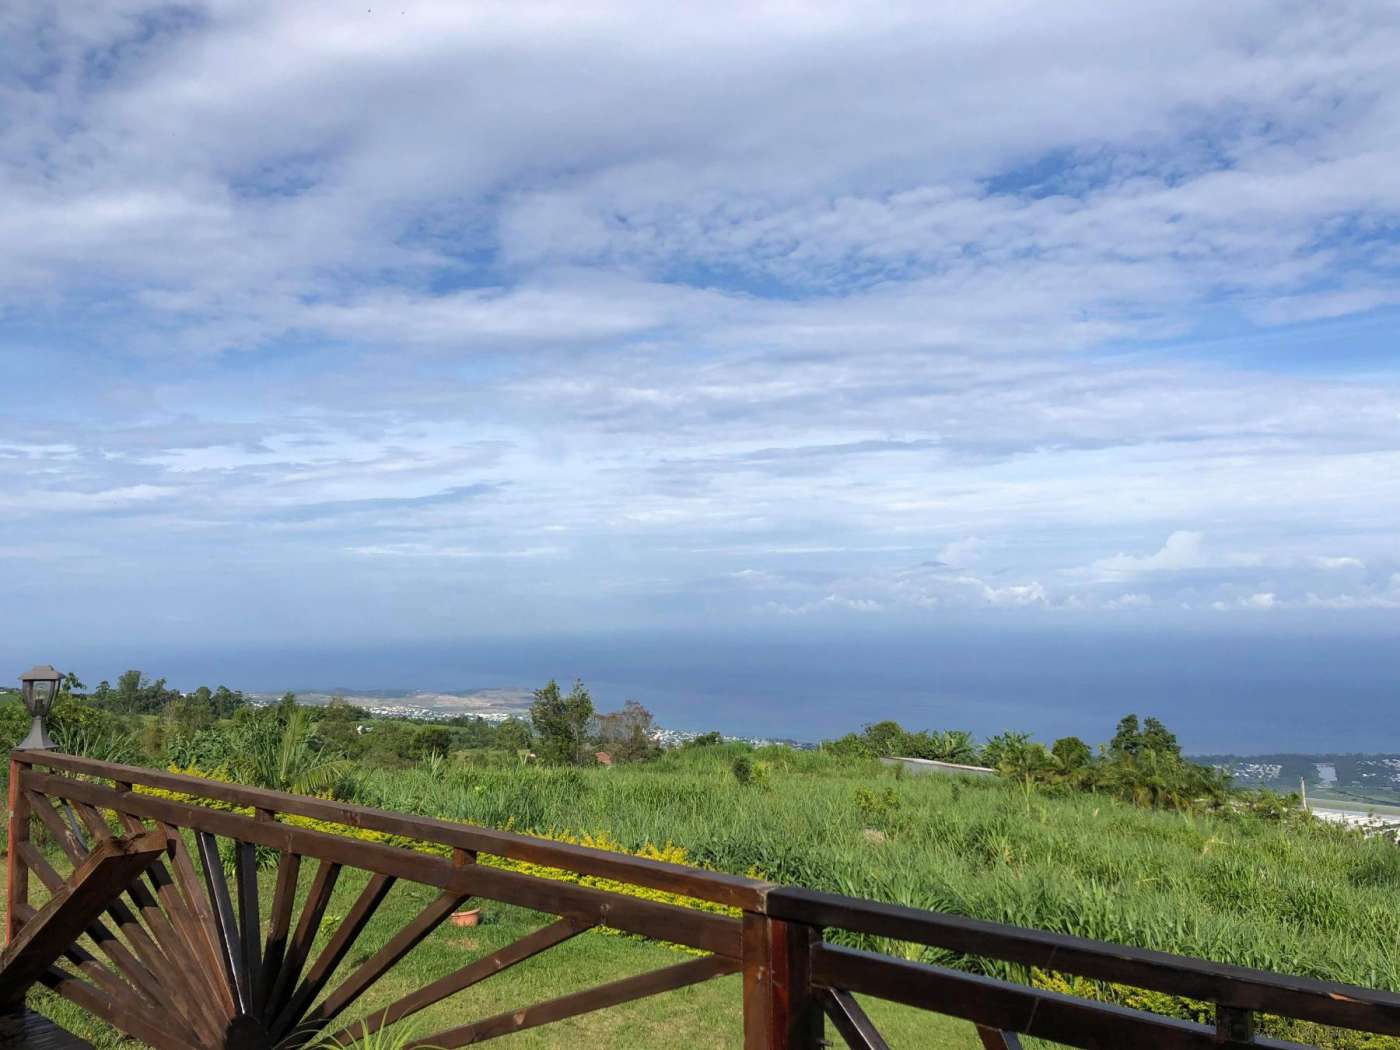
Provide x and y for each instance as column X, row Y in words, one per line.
column 743, row 770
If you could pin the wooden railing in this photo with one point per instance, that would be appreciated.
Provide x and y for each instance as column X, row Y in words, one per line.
column 190, row 962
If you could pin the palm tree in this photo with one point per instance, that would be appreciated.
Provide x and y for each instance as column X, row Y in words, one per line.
column 955, row 745
column 1026, row 760
column 287, row 757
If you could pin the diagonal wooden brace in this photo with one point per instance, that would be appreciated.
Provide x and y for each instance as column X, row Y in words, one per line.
column 99, row 880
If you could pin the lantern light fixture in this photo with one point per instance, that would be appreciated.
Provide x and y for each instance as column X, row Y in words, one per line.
column 39, row 688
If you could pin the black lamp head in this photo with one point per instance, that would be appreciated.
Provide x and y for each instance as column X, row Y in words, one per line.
column 39, row 687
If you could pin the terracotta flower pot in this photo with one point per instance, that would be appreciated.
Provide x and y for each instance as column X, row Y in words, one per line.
column 467, row 918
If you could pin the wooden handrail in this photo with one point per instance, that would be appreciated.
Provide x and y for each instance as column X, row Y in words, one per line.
column 1325, row 1002
column 716, row 887
column 1012, row 1007
column 691, row 927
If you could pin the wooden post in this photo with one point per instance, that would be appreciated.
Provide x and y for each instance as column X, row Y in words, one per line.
column 16, row 870
column 462, row 857
column 996, row 1039
column 1234, row 1025
column 781, row 1010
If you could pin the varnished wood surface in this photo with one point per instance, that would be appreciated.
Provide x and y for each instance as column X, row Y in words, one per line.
column 696, row 929
column 713, row 886
column 26, row 1030
column 1325, row 1002
column 102, row 877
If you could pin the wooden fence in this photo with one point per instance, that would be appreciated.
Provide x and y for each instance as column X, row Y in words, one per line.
column 190, row 961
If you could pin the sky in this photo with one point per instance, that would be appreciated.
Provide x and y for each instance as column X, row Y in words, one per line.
column 325, row 324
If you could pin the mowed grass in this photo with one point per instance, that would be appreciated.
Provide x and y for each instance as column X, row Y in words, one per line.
column 706, row 1016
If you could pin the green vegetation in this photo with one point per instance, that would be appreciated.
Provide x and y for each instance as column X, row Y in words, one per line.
column 1142, row 764
column 1127, row 842
column 1288, row 895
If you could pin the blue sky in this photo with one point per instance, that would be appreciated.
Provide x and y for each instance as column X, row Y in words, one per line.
column 320, row 323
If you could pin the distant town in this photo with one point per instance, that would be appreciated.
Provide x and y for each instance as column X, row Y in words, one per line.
column 490, row 705
column 1351, row 778
column 1324, row 773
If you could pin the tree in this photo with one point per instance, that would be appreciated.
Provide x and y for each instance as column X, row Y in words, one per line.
column 286, row 756
column 1157, row 737
column 922, row 744
column 885, row 738
column 285, row 707
column 711, row 739
column 127, row 697
column 1000, row 748
column 135, row 695
column 474, row 732
column 944, row 745
column 341, row 710
column 1131, row 740
column 339, row 726
column 1071, row 753
column 388, row 743
column 513, row 735
column 190, row 714
column 852, row 745
column 627, row 734
column 1127, row 740
column 1143, row 764
column 227, row 702
column 561, row 723
column 432, row 740
column 1023, row 758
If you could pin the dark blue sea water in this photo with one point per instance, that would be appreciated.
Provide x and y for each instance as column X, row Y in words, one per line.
column 1299, row 689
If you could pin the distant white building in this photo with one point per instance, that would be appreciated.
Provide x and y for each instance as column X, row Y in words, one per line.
column 928, row 765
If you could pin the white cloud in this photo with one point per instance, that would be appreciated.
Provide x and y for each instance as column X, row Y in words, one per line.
column 1259, row 601
column 1183, row 550
column 832, row 603
column 104, row 499
column 961, row 553
column 1346, row 602
column 1017, row 595
column 837, row 289
column 1130, row 601
column 1336, row 563
column 307, row 154
column 416, row 550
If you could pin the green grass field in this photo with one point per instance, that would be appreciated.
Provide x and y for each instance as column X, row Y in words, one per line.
column 1289, row 896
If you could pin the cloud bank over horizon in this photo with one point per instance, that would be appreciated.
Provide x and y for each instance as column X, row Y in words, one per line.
column 433, row 319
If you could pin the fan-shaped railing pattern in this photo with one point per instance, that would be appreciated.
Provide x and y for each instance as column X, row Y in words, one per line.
column 187, row 954
column 188, row 960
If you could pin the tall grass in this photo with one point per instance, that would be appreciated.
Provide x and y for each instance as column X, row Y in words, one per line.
column 1310, row 899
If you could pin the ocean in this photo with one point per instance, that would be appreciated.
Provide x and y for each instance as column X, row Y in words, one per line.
column 1244, row 691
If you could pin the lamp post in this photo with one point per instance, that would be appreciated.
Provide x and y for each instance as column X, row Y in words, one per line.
column 39, row 687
